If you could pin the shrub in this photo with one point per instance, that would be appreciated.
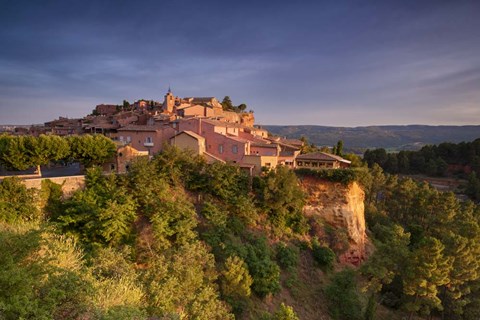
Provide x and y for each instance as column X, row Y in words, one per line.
column 287, row 257
column 285, row 312
column 342, row 296
column 265, row 272
column 324, row 256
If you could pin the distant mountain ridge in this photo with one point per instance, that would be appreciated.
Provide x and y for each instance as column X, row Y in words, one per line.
column 396, row 137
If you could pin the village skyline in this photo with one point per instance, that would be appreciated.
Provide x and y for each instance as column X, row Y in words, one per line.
column 344, row 63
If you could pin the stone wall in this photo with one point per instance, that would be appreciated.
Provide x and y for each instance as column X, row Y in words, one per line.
column 69, row 184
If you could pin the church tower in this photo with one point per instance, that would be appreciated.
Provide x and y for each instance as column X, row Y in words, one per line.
column 169, row 101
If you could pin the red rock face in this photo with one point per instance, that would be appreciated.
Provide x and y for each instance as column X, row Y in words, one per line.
column 342, row 208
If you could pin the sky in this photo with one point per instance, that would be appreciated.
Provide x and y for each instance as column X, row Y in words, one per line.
column 332, row 63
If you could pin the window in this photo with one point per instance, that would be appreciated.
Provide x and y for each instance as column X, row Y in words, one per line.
column 121, row 138
column 129, row 139
column 148, row 140
column 220, row 148
column 268, row 164
column 300, row 163
column 235, row 148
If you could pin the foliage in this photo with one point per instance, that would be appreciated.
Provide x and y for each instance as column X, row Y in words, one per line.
column 287, row 256
column 426, row 243
column 265, row 272
column 285, row 312
column 280, row 195
column 17, row 203
column 100, row 214
column 180, row 284
column 22, row 152
column 324, row 256
column 91, row 150
column 342, row 296
column 227, row 105
column 432, row 160
column 40, row 278
column 344, row 176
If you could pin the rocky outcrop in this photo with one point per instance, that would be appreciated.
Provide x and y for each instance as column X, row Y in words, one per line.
column 341, row 207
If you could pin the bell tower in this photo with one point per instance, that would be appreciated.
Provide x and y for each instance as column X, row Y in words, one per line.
column 169, row 101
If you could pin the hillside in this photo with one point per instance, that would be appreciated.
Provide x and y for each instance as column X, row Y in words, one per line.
column 410, row 137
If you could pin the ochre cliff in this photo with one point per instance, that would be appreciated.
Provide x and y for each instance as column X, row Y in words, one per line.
column 341, row 207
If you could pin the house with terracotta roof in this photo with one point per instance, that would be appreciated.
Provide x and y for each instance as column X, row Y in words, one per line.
column 188, row 140
column 144, row 137
column 320, row 160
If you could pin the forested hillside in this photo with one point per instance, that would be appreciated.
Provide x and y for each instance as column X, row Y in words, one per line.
column 411, row 137
column 176, row 238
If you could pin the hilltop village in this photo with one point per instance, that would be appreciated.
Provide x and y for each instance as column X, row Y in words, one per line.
column 201, row 124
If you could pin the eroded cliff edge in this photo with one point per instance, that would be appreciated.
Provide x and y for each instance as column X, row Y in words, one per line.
column 340, row 206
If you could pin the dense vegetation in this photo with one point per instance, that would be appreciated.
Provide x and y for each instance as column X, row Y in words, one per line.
column 23, row 152
column 410, row 137
column 176, row 238
column 427, row 243
column 462, row 159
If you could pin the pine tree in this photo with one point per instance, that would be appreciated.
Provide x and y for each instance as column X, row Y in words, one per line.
column 428, row 271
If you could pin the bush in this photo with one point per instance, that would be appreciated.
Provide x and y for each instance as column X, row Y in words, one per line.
column 265, row 272
column 285, row 312
column 17, row 202
column 324, row 256
column 287, row 257
column 344, row 176
column 342, row 296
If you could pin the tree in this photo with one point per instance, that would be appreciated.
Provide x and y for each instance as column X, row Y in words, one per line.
column 324, row 256
column 227, row 104
column 280, row 194
column 242, row 107
column 339, row 148
column 342, row 296
column 17, row 203
column 235, row 282
column 264, row 271
column 179, row 284
column 91, row 150
column 13, row 153
column 100, row 214
column 285, row 312
column 427, row 272
column 44, row 149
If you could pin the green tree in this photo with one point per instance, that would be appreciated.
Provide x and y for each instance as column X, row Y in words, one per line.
column 13, row 152
column 235, row 283
column 100, row 214
column 281, row 196
column 339, row 148
column 42, row 150
column 180, row 284
column 285, row 312
column 227, row 103
column 91, row 150
column 427, row 272
column 242, row 107
column 17, row 203
column 264, row 271
column 342, row 296
column 324, row 256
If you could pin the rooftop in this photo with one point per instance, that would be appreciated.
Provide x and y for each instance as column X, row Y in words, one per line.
column 321, row 156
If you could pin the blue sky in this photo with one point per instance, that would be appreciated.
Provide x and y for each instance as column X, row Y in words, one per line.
column 337, row 63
